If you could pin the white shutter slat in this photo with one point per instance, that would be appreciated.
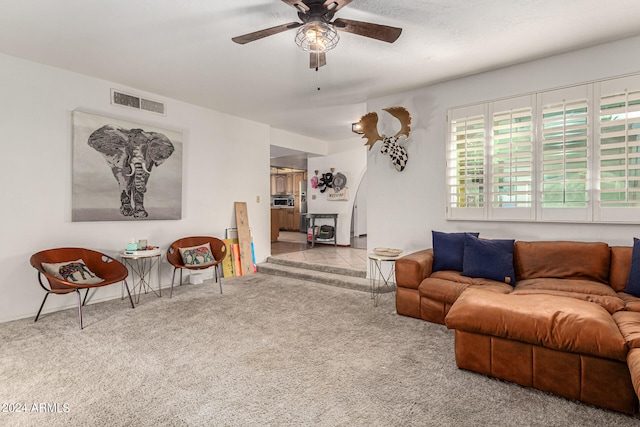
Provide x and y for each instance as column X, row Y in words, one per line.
column 565, row 159
column 466, row 159
column 512, row 162
column 619, row 129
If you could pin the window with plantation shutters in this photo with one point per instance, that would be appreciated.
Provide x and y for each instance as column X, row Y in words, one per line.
column 570, row 154
column 564, row 155
column 466, row 164
column 619, row 150
column 512, row 159
column 564, row 145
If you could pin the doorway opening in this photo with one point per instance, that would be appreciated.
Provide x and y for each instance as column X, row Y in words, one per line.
column 358, row 234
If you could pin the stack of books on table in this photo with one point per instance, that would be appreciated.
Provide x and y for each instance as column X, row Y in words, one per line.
column 148, row 251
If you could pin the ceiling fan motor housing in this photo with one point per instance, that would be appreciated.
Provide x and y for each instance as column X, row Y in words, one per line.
column 316, row 11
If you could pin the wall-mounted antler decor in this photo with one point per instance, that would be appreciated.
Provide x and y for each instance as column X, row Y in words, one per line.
column 390, row 145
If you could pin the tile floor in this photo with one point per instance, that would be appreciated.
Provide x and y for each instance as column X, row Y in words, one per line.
column 293, row 246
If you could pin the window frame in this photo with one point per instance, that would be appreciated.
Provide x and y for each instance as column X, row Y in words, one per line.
column 608, row 88
column 582, row 184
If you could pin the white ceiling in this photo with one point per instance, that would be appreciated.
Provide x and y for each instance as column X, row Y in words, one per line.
column 182, row 49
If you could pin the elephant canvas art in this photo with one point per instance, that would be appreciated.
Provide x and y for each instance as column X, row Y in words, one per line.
column 125, row 171
column 131, row 154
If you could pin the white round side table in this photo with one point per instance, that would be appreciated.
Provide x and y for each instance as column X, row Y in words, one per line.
column 141, row 264
column 377, row 279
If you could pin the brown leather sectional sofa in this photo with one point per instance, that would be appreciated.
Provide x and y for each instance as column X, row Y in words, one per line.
column 566, row 327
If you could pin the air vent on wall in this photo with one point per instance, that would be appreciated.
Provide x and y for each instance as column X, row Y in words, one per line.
column 132, row 101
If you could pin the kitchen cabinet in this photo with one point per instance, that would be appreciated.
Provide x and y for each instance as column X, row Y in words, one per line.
column 275, row 224
column 284, row 225
column 287, row 219
column 281, row 184
column 291, row 221
column 289, row 183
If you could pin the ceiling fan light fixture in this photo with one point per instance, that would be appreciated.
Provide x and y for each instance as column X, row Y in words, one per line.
column 317, row 37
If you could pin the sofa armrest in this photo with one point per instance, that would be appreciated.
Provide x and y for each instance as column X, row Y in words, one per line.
column 413, row 268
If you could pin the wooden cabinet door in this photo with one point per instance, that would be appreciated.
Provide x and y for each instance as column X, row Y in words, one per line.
column 289, row 177
column 282, row 214
column 290, row 220
column 281, row 184
column 275, row 224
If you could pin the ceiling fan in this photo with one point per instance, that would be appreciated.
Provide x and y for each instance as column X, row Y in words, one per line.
column 317, row 34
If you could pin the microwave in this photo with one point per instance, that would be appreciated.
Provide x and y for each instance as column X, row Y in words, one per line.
column 282, row 201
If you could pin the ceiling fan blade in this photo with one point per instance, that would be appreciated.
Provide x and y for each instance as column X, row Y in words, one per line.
column 336, row 5
column 317, row 60
column 298, row 5
column 265, row 33
column 367, row 29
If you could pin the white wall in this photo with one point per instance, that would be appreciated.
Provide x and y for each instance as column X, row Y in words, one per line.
column 225, row 159
column 403, row 207
column 282, row 138
column 336, row 147
column 352, row 164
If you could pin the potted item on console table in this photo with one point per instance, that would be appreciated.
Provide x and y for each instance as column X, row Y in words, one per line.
column 141, row 248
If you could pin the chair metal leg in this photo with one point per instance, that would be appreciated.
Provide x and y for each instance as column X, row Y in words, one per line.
column 173, row 279
column 79, row 307
column 41, row 305
column 126, row 285
column 85, row 297
column 218, row 279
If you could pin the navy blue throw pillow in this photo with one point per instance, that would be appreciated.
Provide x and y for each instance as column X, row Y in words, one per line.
column 448, row 250
column 489, row 259
column 633, row 283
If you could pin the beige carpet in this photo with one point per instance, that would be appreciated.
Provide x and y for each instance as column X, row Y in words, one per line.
column 270, row 352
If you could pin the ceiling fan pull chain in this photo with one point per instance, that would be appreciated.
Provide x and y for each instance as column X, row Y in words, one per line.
column 318, row 70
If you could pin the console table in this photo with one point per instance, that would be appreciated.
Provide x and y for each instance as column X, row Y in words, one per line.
column 313, row 216
column 377, row 279
column 141, row 263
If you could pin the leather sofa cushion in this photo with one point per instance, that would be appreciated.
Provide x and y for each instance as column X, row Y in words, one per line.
column 629, row 325
column 446, row 286
column 560, row 323
column 631, row 302
column 441, row 289
column 567, row 285
column 586, row 290
column 411, row 269
column 620, row 267
column 564, row 260
column 612, row 304
column 633, row 361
